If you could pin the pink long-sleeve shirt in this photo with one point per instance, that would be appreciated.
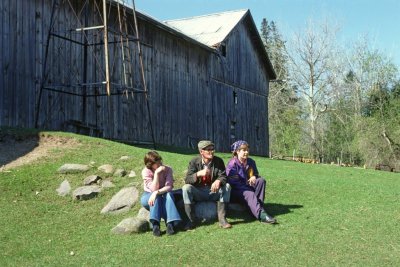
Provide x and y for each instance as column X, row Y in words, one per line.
column 165, row 179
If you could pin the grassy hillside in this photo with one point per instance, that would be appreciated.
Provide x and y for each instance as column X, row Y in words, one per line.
column 327, row 216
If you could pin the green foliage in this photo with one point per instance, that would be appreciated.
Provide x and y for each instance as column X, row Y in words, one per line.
column 283, row 113
column 327, row 216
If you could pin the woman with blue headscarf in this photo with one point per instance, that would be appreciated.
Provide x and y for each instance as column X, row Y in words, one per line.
column 247, row 185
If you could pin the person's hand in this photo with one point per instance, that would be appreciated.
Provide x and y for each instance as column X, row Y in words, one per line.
column 215, row 186
column 204, row 172
column 252, row 181
column 160, row 169
column 152, row 198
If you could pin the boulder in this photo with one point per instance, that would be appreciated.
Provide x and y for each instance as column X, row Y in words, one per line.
column 131, row 225
column 64, row 189
column 144, row 214
column 237, row 207
column 122, row 201
column 106, row 168
column 124, row 158
column 107, row 184
column 73, row 168
column 206, row 210
column 92, row 179
column 86, row 192
column 119, row 173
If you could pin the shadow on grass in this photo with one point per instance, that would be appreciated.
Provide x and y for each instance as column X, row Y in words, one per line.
column 279, row 209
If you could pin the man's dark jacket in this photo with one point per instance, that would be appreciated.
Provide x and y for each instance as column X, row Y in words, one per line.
column 217, row 167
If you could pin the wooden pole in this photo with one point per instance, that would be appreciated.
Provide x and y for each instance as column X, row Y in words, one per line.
column 107, row 81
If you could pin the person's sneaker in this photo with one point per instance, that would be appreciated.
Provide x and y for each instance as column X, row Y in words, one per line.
column 156, row 230
column 170, row 229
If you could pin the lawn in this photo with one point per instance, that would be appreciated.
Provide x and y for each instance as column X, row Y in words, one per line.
column 328, row 216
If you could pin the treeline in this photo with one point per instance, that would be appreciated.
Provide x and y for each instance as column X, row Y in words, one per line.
column 332, row 103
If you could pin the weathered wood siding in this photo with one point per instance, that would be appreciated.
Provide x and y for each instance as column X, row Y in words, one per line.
column 191, row 88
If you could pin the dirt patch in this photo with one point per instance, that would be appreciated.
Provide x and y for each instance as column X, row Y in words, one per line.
column 15, row 152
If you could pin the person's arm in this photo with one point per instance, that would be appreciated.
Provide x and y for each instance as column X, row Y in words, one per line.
column 191, row 175
column 220, row 171
column 150, row 180
column 169, row 181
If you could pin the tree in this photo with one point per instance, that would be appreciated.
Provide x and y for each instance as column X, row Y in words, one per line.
column 315, row 72
column 283, row 115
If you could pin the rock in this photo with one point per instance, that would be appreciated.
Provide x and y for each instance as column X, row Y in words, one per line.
column 64, row 189
column 132, row 174
column 107, row 184
column 237, row 207
column 144, row 214
column 92, row 179
column 122, row 201
column 73, row 168
column 119, row 173
column 131, row 225
column 125, row 158
column 86, row 192
column 106, row 168
column 206, row 210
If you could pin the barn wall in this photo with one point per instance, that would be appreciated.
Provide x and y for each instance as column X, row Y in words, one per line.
column 191, row 89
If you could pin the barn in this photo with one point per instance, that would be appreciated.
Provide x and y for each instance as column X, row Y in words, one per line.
column 206, row 77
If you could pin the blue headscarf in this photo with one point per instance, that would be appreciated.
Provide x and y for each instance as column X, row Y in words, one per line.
column 235, row 146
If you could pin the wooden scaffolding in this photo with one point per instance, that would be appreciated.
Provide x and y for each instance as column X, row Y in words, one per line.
column 107, row 59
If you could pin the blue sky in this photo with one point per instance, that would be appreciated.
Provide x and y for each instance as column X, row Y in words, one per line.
column 377, row 19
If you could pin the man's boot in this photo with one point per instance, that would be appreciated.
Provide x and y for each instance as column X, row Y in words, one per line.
column 189, row 210
column 221, row 208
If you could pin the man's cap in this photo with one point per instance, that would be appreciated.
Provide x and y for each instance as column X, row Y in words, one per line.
column 204, row 143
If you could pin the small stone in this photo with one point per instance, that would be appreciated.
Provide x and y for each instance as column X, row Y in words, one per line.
column 92, row 179
column 120, row 173
column 132, row 174
column 106, row 168
column 72, row 253
column 73, row 168
column 124, row 158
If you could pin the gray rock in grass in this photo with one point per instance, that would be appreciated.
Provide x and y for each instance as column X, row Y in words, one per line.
column 92, row 179
column 131, row 225
column 86, row 192
column 122, row 201
column 73, row 168
column 64, row 189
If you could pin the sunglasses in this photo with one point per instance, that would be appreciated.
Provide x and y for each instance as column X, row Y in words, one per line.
column 208, row 149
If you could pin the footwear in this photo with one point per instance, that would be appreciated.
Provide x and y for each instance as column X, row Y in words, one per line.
column 221, row 209
column 189, row 226
column 189, row 210
column 170, row 229
column 266, row 218
column 156, row 230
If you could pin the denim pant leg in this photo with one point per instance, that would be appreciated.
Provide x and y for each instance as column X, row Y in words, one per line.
column 192, row 194
column 155, row 210
column 172, row 214
column 222, row 195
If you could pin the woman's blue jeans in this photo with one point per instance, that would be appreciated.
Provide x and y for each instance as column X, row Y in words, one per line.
column 164, row 207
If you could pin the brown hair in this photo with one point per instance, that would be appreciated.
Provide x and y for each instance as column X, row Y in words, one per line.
column 150, row 158
column 234, row 153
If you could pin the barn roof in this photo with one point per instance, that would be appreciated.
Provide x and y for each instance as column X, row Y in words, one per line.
column 213, row 29
column 209, row 29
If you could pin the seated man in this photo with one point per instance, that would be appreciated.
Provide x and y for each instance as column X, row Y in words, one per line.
column 206, row 181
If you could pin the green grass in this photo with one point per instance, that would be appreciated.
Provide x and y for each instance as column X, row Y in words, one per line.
column 328, row 216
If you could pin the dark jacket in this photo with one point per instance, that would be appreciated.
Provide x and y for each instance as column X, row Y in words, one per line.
column 217, row 167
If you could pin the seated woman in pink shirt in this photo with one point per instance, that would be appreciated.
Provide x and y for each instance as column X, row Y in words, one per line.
column 157, row 196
